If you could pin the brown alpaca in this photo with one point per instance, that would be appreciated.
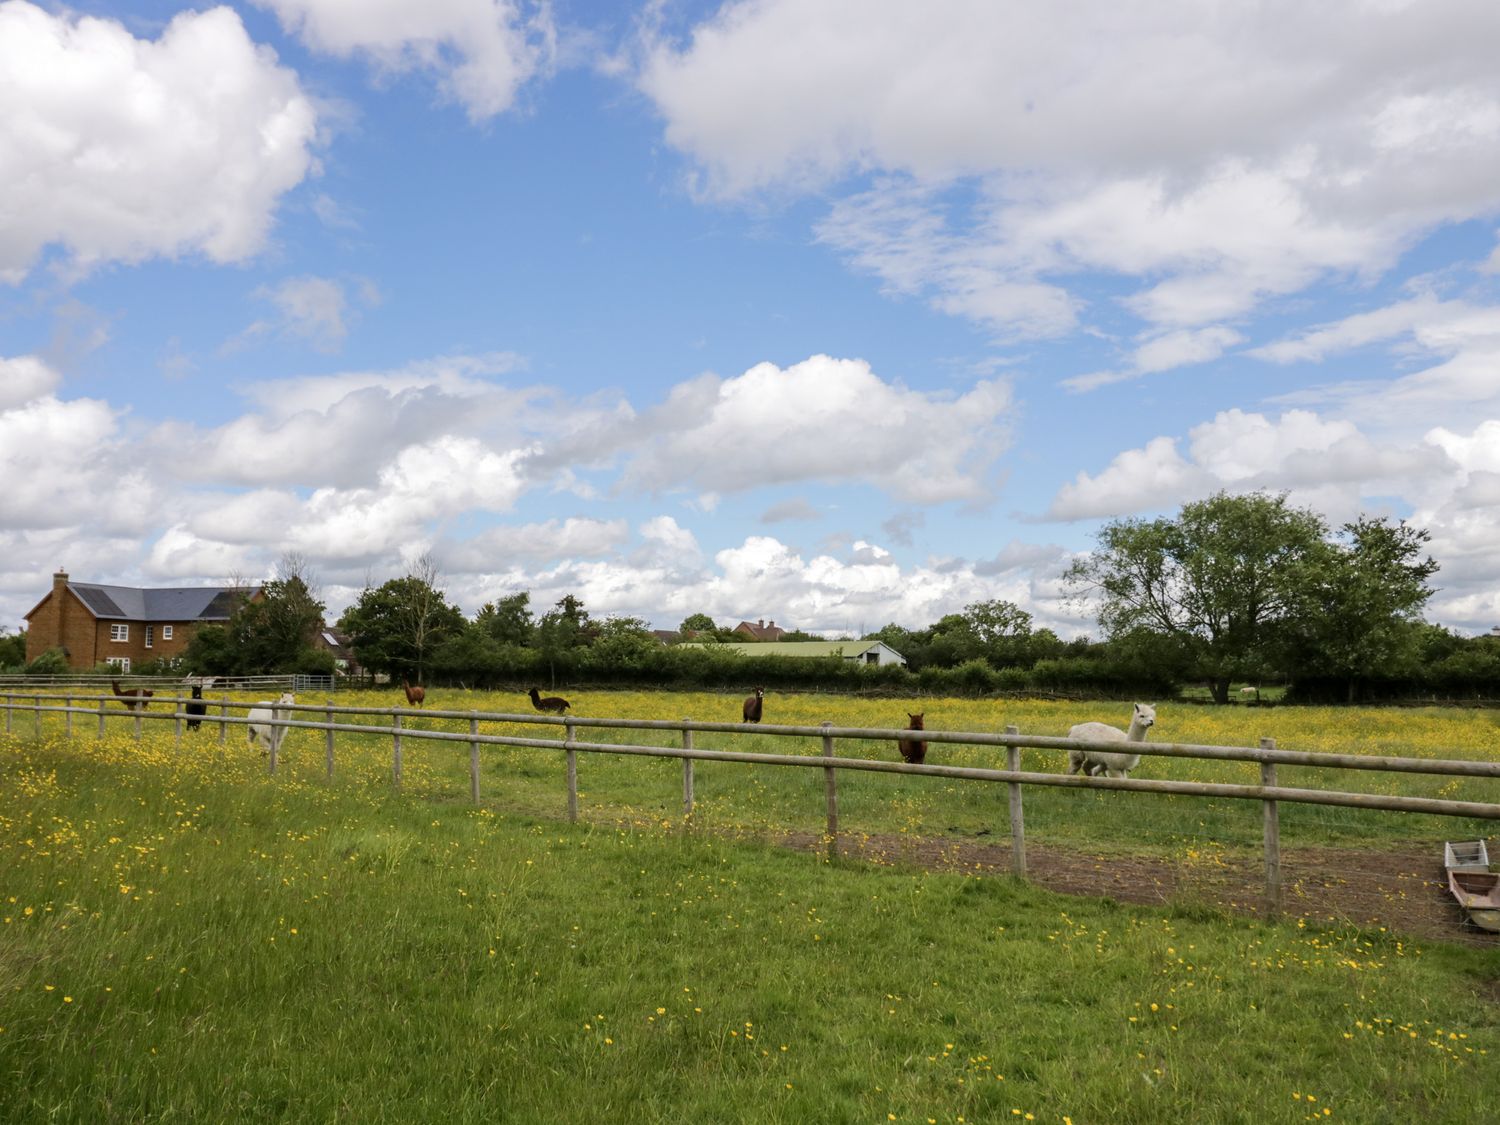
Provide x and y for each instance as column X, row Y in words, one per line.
column 414, row 695
column 754, row 705
column 132, row 697
column 913, row 751
column 548, row 702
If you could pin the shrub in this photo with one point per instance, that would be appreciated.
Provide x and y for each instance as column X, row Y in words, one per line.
column 50, row 663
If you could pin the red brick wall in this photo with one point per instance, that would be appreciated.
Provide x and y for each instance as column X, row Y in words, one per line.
column 135, row 645
column 62, row 621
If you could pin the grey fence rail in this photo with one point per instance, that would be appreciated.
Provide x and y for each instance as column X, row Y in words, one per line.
column 219, row 713
column 86, row 680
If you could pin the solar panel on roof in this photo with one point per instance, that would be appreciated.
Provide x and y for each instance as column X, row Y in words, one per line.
column 98, row 601
column 221, row 606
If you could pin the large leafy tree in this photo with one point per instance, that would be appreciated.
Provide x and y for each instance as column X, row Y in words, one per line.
column 395, row 627
column 274, row 632
column 1223, row 578
column 562, row 632
column 508, row 621
column 622, row 643
column 1358, row 605
column 268, row 632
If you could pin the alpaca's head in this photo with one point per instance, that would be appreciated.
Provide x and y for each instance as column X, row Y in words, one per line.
column 1143, row 716
column 916, row 720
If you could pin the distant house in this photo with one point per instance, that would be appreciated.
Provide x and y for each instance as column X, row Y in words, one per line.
column 862, row 652
column 760, row 631
column 331, row 640
column 121, row 625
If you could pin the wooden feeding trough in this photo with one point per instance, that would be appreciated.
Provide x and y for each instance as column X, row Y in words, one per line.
column 1471, row 882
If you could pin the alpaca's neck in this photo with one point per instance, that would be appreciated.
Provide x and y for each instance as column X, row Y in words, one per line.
column 1137, row 732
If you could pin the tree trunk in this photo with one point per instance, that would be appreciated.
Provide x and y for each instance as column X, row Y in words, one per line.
column 1220, row 690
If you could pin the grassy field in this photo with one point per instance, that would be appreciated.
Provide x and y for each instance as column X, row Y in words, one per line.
column 183, row 937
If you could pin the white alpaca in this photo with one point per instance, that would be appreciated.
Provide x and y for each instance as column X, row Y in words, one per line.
column 262, row 716
column 1095, row 762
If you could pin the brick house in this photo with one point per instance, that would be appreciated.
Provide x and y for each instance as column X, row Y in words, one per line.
column 760, row 631
column 122, row 625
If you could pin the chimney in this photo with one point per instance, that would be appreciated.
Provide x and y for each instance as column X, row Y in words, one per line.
column 59, row 582
column 760, row 623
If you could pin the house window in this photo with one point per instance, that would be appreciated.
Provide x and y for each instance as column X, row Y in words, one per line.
column 870, row 657
column 118, row 663
column 119, row 632
column 150, row 635
column 166, row 632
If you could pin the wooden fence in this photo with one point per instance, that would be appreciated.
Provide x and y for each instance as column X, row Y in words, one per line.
column 1268, row 792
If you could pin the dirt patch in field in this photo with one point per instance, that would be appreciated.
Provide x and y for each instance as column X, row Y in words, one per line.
column 1401, row 889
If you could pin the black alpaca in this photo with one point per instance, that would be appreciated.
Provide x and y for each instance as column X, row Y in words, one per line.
column 197, row 710
column 754, row 705
column 548, row 702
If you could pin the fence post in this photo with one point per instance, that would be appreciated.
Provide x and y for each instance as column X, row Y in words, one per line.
column 8, row 701
column 474, row 756
column 1272, row 834
column 396, row 748
column 572, row 776
column 687, row 773
column 831, row 785
column 223, row 711
column 36, row 724
column 275, row 740
column 101, row 718
column 1017, row 817
column 328, row 739
column 68, row 715
column 177, row 725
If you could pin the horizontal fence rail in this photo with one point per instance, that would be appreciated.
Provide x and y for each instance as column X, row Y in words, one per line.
column 85, row 680
column 218, row 707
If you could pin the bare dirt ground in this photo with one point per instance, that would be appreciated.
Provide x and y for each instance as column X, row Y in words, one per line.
column 1401, row 889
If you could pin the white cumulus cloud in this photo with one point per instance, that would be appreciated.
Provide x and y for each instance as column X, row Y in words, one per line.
column 480, row 51
column 115, row 148
column 824, row 419
column 1006, row 151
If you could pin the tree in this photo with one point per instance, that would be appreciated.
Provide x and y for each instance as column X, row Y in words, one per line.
column 622, row 643
column 1002, row 630
column 1223, row 578
column 13, row 650
column 269, row 633
column 508, row 621
column 395, row 627
column 562, row 630
column 1358, row 603
column 210, row 653
column 699, row 623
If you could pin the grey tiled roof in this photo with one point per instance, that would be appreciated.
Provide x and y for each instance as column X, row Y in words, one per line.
column 125, row 603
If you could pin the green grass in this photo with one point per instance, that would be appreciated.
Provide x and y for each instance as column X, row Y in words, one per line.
column 184, row 938
column 766, row 800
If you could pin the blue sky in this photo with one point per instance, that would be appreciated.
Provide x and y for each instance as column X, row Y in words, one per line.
column 832, row 313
